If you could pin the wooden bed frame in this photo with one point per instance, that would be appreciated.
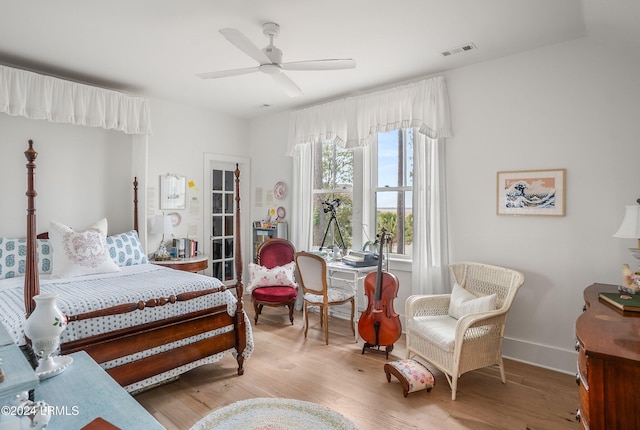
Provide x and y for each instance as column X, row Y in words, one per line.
column 120, row 343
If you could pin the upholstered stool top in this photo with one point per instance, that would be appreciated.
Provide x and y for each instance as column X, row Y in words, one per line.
column 414, row 376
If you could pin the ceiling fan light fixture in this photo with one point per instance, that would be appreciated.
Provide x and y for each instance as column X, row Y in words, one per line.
column 270, row 69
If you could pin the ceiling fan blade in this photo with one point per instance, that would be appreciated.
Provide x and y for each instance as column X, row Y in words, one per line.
column 223, row 73
column 335, row 64
column 289, row 87
column 241, row 42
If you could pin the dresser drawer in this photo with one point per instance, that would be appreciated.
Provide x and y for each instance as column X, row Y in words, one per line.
column 584, row 406
column 583, row 368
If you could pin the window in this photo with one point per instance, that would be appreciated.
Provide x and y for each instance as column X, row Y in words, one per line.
column 332, row 195
column 392, row 188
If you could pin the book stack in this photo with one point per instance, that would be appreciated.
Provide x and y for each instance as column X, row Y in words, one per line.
column 186, row 248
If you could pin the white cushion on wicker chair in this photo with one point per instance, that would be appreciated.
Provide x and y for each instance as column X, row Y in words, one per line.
column 440, row 329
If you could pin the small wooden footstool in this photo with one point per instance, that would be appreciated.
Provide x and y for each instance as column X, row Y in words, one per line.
column 414, row 376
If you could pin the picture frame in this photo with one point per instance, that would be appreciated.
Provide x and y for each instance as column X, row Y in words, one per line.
column 531, row 192
column 257, row 224
column 173, row 191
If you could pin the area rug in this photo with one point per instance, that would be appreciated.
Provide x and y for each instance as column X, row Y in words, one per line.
column 274, row 414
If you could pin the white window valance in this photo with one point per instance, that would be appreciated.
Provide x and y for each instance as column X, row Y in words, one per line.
column 352, row 120
column 36, row 96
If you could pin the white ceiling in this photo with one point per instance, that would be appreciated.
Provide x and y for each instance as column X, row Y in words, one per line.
column 154, row 48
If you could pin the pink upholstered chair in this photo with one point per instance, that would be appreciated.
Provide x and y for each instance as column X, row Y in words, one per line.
column 272, row 253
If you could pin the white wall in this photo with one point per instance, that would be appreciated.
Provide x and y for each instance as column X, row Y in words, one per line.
column 181, row 137
column 268, row 137
column 82, row 175
column 573, row 106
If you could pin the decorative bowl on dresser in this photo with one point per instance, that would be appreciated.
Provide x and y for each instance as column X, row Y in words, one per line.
column 608, row 364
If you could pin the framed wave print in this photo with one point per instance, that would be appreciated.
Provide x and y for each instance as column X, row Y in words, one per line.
column 531, row 192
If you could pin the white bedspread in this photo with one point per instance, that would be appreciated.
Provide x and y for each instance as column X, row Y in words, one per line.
column 132, row 284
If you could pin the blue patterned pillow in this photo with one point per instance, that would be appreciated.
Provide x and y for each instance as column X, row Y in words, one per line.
column 13, row 257
column 125, row 249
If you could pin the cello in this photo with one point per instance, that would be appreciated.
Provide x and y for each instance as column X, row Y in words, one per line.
column 379, row 325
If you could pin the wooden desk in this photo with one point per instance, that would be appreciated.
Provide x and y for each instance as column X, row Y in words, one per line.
column 608, row 364
column 195, row 264
column 84, row 392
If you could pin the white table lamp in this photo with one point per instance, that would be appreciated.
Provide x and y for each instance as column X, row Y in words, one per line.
column 162, row 224
column 630, row 227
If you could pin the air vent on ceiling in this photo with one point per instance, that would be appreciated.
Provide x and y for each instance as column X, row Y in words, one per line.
column 458, row 49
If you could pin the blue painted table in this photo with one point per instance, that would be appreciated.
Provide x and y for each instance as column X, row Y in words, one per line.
column 84, row 391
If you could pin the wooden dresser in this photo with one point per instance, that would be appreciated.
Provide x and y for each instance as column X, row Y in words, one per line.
column 608, row 364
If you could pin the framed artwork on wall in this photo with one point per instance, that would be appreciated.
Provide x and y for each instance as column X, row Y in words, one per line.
column 173, row 191
column 531, row 192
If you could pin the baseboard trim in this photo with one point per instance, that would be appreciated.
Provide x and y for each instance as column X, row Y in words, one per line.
column 545, row 356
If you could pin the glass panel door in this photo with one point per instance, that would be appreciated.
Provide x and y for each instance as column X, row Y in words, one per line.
column 223, row 222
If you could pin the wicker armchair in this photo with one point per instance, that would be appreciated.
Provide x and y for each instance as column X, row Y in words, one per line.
column 471, row 342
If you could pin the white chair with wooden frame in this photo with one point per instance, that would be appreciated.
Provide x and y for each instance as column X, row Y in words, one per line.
column 463, row 331
column 312, row 276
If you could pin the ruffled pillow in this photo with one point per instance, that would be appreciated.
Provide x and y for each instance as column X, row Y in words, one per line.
column 279, row 276
column 464, row 302
column 80, row 253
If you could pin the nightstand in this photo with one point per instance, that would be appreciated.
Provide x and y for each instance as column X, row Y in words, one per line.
column 194, row 264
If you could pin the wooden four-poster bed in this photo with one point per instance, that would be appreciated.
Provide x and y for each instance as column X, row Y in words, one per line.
column 144, row 326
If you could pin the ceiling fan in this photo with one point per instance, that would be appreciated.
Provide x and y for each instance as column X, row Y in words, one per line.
column 270, row 60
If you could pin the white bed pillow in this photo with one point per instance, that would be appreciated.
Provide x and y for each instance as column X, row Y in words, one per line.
column 279, row 276
column 464, row 302
column 125, row 249
column 80, row 253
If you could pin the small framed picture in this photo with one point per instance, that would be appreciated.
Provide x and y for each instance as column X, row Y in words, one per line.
column 257, row 224
column 531, row 192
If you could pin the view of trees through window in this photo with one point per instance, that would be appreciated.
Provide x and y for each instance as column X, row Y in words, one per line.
column 394, row 188
column 332, row 195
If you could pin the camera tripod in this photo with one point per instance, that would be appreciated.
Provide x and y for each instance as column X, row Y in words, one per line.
column 335, row 220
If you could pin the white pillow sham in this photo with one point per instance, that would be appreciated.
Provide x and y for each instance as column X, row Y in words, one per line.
column 80, row 253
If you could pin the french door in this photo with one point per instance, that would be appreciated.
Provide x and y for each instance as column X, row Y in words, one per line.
column 222, row 221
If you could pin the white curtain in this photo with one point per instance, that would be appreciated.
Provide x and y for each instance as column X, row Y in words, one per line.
column 301, row 234
column 430, row 269
column 38, row 96
column 352, row 121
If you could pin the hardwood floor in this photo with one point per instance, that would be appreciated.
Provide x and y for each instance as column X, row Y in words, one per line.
column 338, row 376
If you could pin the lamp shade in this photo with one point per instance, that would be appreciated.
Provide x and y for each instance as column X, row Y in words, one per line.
column 162, row 224
column 630, row 227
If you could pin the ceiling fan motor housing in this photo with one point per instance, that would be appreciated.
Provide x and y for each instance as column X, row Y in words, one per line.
column 274, row 54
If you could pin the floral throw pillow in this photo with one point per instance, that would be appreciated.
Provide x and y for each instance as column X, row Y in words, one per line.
column 80, row 253
column 279, row 276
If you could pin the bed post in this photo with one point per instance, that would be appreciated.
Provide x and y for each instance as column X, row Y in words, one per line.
column 135, row 204
column 31, row 281
column 241, row 336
